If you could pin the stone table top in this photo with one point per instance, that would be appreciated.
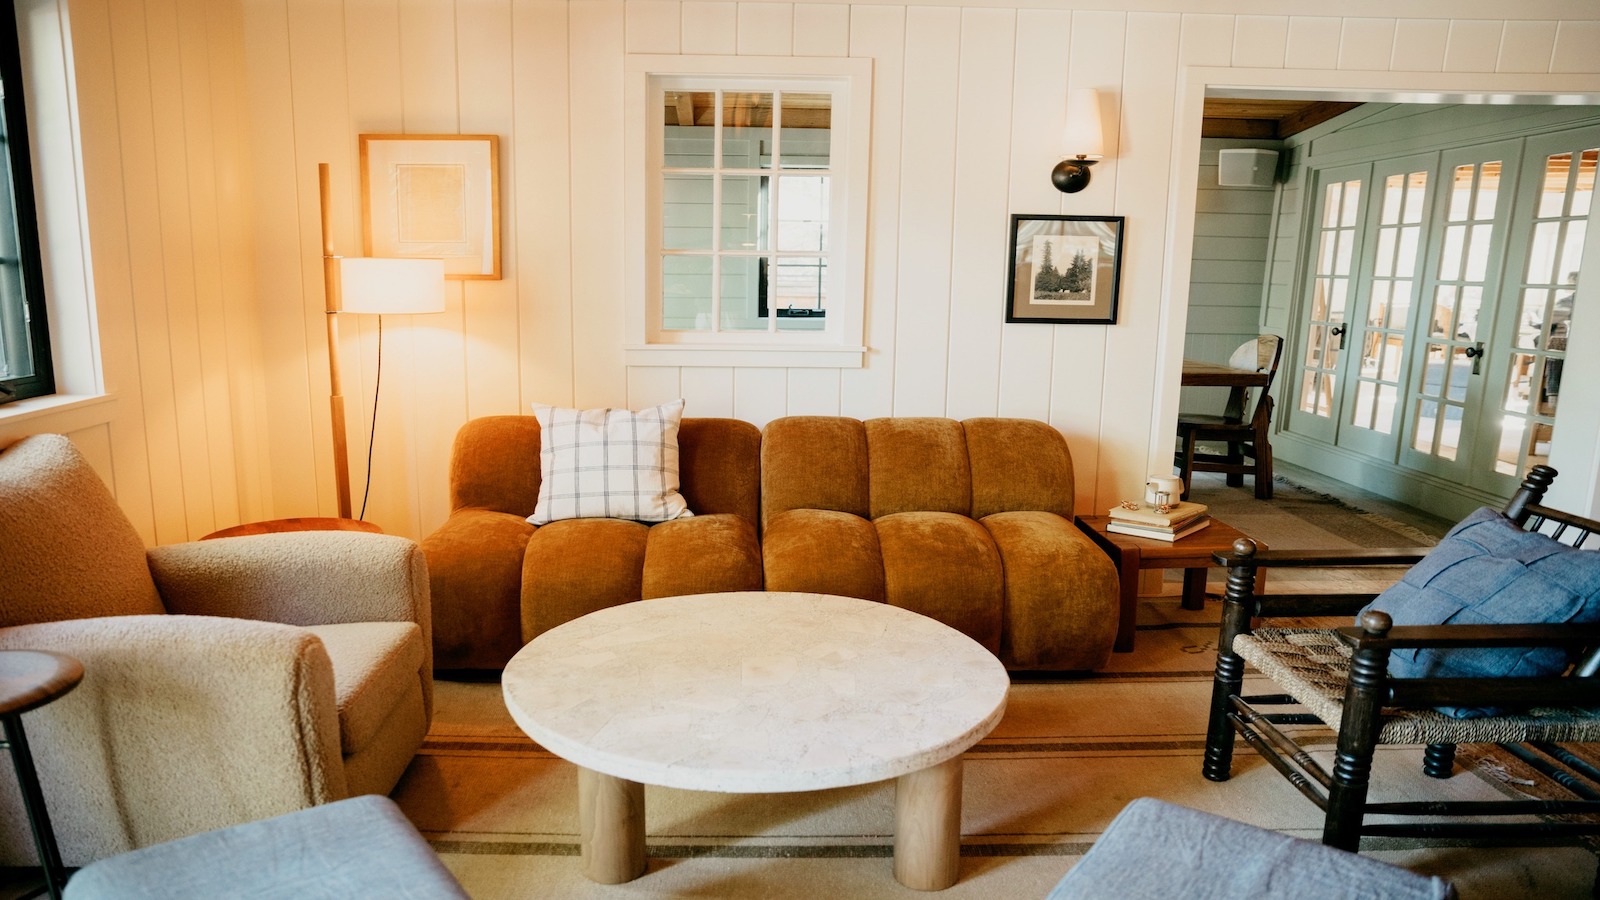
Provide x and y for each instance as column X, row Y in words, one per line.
column 755, row 692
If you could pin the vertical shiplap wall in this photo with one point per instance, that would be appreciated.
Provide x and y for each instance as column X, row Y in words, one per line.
column 156, row 91
column 968, row 103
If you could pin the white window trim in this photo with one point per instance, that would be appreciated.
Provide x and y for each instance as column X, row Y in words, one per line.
column 840, row 344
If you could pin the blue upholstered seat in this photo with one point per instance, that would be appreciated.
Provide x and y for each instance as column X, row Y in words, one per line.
column 360, row 847
column 1156, row 851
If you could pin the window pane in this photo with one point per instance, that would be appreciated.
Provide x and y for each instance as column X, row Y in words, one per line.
column 1478, row 254
column 1450, row 257
column 744, row 219
column 1406, row 263
column 1330, row 205
column 1393, row 352
column 1383, row 264
column 1553, row 194
column 686, row 293
column 687, row 138
column 1379, row 304
column 806, row 119
column 1383, row 418
column 1416, row 182
column 803, row 212
column 1572, row 252
column 1508, row 454
column 1399, row 305
column 741, row 294
column 1488, row 191
column 1427, row 423
column 1467, row 313
column 1366, row 399
column 746, row 122
column 1583, row 191
column 800, row 291
column 1444, row 308
column 686, row 209
column 1460, row 194
column 1352, row 203
column 1530, row 323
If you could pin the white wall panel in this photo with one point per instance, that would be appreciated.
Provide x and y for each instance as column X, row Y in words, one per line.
column 1419, row 45
column 1260, row 41
column 1366, row 44
column 707, row 391
column 1527, row 47
column 980, row 244
column 878, row 32
column 927, row 183
column 821, row 29
column 1313, row 43
column 1575, row 47
column 1474, row 46
column 710, row 27
column 654, row 26
column 760, row 395
column 766, row 29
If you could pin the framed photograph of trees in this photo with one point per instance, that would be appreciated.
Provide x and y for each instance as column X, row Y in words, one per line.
column 1064, row 270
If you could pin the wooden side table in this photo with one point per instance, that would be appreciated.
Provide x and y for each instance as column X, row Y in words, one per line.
column 1131, row 554
column 28, row 680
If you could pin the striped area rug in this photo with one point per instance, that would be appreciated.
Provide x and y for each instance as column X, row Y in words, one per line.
column 1068, row 755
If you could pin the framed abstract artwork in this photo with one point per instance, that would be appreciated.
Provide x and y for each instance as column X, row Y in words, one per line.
column 435, row 196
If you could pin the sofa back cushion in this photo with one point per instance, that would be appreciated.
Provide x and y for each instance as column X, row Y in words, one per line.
column 880, row 467
column 917, row 465
column 1018, row 464
column 495, row 465
column 813, row 462
column 70, row 553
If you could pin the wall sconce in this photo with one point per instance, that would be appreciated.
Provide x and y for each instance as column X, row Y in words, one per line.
column 373, row 286
column 1082, row 136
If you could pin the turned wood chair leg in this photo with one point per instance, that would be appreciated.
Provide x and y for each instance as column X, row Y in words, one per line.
column 1358, row 739
column 1229, row 678
column 1439, row 760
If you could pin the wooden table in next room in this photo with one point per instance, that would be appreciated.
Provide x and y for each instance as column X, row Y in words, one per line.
column 1132, row 554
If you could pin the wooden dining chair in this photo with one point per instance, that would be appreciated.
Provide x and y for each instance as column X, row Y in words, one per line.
column 1245, row 435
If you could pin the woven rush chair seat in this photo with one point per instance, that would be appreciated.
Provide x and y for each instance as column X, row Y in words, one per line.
column 1313, row 665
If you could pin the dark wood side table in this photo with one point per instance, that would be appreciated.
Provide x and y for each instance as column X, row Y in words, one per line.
column 28, row 680
column 1132, row 554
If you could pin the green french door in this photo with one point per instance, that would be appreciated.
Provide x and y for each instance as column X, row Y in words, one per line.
column 1433, row 326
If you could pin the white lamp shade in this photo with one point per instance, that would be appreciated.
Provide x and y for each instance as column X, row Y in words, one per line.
column 391, row 286
column 1083, row 135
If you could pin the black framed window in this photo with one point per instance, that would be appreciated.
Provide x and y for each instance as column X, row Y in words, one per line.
column 25, row 369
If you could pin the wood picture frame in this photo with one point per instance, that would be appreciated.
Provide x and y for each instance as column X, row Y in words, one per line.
column 1069, row 269
column 433, row 196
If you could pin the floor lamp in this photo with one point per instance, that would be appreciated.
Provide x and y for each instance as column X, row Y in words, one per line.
column 366, row 285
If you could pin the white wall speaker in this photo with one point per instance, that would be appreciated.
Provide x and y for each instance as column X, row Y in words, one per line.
column 1246, row 168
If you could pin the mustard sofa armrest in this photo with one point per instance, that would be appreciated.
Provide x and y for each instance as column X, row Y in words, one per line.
column 181, row 724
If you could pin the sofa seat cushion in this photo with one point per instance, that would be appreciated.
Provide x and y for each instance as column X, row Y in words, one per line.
column 576, row 566
column 946, row 567
column 1060, row 593
column 823, row 551
column 475, row 567
column 375, row 665
column 703, row 555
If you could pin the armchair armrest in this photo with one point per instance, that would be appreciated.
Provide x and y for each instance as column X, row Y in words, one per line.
column 299, row 578
column 1302, row 559
column 181, row 724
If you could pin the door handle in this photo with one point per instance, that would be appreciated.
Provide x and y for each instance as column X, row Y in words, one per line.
column 1338, row 331
column 1475, row 353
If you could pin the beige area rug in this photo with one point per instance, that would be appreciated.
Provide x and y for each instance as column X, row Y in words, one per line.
column 1068, row 755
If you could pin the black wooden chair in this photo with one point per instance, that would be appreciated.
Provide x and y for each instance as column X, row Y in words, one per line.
column 1244, row 436
column 1341, row 676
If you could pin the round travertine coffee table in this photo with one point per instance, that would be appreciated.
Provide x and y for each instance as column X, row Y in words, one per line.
column 759, row 693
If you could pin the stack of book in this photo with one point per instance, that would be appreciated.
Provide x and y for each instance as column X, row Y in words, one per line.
column 1182, row 519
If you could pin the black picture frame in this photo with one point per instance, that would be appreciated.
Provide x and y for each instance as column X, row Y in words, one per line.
column 1036, row 243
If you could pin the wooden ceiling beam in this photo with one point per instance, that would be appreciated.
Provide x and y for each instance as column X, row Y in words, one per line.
column 1314, row 114
column 1250, row 129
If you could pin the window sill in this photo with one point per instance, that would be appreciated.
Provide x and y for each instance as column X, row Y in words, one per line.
column 745, row 355
column 78, row 411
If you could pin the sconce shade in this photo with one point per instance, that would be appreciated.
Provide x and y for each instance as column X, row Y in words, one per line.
column 391, row 286
column 1083, row 135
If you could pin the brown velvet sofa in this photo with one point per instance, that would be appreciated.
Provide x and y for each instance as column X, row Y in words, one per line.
column 967, row 522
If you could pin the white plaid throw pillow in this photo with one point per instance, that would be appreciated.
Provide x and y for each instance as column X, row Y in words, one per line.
column 608, row 463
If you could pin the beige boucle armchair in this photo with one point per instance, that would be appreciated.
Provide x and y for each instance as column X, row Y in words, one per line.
column 225, row 681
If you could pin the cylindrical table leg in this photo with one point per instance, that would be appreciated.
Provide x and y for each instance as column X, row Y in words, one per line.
column 610, row 827
column 44, row 840
column 927, row 827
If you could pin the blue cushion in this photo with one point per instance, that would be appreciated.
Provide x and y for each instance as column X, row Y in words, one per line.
column 360, row 847
column 1488, row 571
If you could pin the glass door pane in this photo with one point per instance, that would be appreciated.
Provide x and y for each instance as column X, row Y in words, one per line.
column 1336, row 236
column 1456, row 311
column 1381, row 318
column 1551, row 224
